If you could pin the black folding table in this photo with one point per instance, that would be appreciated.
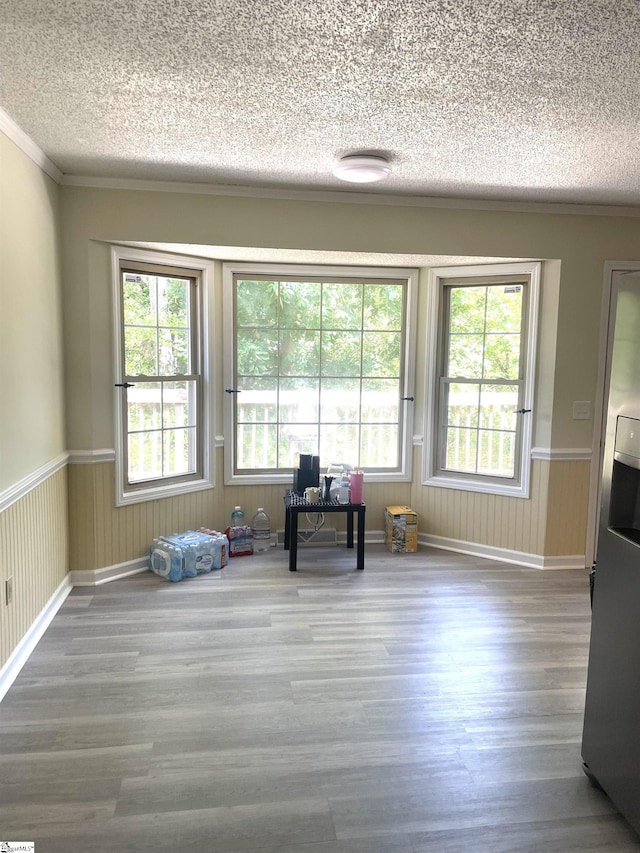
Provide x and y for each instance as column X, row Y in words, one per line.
column 295, row 504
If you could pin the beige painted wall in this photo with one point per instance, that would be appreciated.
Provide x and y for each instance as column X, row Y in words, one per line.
column 33, row 529
column 575, row 247
column 580, row 244
column 32, row 430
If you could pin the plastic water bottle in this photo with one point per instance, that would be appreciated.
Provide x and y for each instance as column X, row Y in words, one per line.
column 261, row 529
column 237, row 517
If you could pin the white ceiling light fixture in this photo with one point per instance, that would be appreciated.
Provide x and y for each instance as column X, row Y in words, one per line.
column 362, row 168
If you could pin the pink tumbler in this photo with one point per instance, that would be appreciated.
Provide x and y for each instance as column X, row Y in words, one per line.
column 355, row 481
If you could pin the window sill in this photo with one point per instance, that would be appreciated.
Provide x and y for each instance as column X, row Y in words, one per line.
column 287, row 479
column 152, row 493
column 467, row 484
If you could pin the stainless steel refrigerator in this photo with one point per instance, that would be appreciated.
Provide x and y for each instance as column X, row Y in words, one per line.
column 611, row 737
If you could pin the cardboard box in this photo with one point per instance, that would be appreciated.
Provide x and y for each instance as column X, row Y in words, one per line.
column 401, row 525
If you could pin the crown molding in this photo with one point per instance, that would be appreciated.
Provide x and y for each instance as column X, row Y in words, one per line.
column 347, row 197
column 24, row 142
column 14, row 132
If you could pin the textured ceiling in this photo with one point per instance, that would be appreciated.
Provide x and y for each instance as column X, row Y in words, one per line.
column 534, row 100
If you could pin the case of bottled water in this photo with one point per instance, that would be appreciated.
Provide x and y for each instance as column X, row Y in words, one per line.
column 185, row 555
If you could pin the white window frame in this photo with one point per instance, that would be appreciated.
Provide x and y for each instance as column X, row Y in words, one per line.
column 231, row 269
column 131, row 494
column 519, row 486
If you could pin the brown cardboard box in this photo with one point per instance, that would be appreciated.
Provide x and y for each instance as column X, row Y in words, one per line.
column 401, row 524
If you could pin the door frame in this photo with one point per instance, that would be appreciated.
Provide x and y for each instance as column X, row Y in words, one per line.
column 611, row 269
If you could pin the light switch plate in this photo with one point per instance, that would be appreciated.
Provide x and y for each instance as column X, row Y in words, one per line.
column 581, row 410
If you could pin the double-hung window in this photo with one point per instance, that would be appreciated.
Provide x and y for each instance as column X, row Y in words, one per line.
column 318, row 361
column 161, row 376
column 480, row 380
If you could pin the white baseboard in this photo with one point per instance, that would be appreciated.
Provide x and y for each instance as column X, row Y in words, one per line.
column 93, row 577
column 503, row 555
column 27, row 644
column 96, row 577
column 473, row 549
column 371, row 537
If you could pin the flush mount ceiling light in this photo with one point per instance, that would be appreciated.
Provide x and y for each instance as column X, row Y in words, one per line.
column 362, row 168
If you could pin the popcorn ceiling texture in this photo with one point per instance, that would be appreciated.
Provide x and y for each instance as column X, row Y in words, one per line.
column 498, row 99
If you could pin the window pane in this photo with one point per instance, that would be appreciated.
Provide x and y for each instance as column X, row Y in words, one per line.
column 482, row 381
column 461, row 404
column 257, row 303
column 257, row 400
column 467, row 309
column 379, row 446
column 341, row 353
column 465, row 356
column 342, row 306
column 311, row 343
column 174, row 351
column 173, row 301
column 145, row 456
column 160, row 340
column 498, row 404
column 294, row 439
column 257, row 352
column 381, row 352
column 339, row 443
column 340, row 400
column 383, row 306
column 502, row 357
column 143, row 406
column 140, row 351
column 504, row 308
column 299, row 400
column 256, row 445
column 139, row 300
column 299, row 353
column 300, row 305
column 497, row 453
column 178, row 452
column 461, row 449
column 380, row 400
column 178, row 404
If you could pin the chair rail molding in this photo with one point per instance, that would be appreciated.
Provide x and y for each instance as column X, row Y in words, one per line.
column 562, row 454
column 18, row 490
column 91, row 457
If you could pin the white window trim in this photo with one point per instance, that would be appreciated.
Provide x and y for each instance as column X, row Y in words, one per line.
column 238, row 268
column 469, row 482
column 205, row 269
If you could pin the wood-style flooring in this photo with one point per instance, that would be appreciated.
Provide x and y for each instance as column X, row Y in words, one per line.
column 430, row 704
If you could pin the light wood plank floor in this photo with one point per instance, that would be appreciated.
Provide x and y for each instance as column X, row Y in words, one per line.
column 430, row 704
